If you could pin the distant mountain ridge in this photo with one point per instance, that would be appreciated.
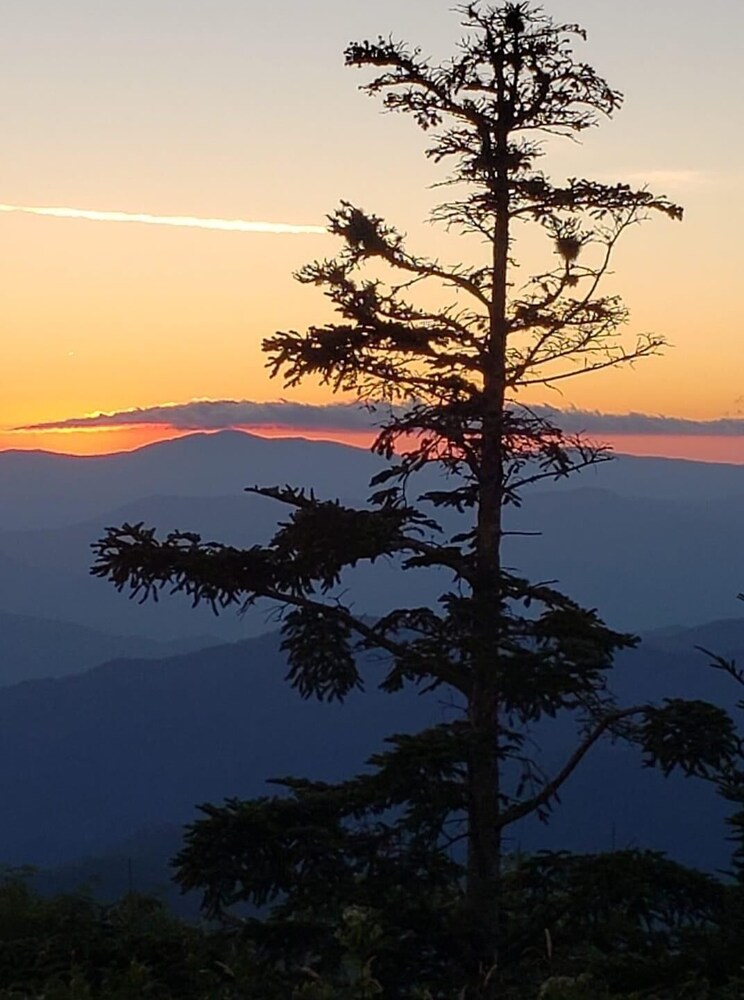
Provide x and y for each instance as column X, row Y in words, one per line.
column 724, row 637
column 44, row 489
column 89, row 760
column 33, row 648
column 643, row 563
column 661, row 522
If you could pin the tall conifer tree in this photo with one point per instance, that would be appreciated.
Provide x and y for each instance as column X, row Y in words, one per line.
column 450, row 385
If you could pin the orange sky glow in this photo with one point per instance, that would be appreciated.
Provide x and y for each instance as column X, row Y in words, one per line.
column 96, row 316
column 108, row 441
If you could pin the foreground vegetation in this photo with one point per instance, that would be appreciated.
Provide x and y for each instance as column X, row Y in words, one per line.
column 628, row 926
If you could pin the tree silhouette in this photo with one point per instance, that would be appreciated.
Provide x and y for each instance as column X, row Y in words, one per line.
column 451, row 387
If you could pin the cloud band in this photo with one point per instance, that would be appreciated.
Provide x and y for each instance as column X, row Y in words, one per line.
column 222, row 414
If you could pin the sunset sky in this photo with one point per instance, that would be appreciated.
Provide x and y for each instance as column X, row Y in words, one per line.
column 243, row 110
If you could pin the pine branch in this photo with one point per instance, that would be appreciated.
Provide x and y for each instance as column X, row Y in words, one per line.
column 551, row 789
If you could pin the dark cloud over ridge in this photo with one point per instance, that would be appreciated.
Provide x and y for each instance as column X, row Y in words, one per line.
column 222, row 414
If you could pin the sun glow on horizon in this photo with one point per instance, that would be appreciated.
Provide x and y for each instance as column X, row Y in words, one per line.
column 100, row 441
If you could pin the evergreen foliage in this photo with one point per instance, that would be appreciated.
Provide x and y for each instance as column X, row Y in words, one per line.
column 451, row 386
column 72, row 948
column 628, row 926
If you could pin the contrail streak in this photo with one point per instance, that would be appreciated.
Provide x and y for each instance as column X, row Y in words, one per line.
column 227, row 225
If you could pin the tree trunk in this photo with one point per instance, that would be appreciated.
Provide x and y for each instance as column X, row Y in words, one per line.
column 484, row 772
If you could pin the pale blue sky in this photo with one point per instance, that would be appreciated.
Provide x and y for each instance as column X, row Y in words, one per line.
column 153, row 99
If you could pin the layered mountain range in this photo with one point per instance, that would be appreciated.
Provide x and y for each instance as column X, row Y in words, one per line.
column 116, row 718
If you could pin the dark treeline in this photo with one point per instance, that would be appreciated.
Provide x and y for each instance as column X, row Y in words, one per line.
column 627, row 925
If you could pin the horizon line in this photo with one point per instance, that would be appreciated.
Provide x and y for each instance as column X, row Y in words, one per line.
column 363, row 441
